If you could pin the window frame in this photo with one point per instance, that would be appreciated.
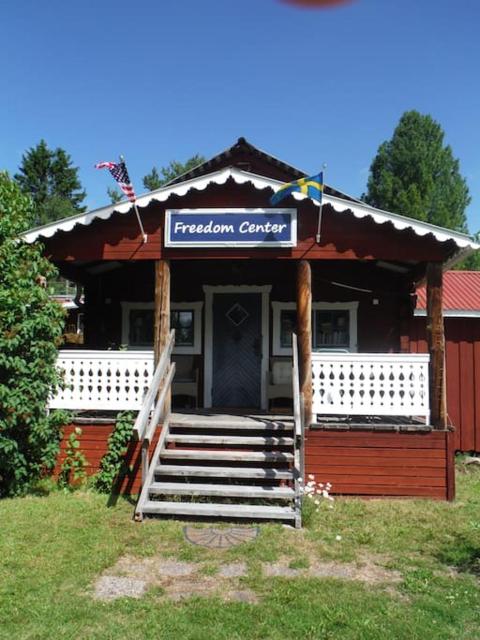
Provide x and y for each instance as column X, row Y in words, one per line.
column 278, row 307
column 197, row 306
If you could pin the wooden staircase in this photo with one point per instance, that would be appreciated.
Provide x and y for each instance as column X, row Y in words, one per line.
column 224, row 467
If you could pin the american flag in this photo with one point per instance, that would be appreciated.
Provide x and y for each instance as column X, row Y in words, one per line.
column 120, row 174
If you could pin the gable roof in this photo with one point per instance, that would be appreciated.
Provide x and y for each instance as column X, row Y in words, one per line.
column 464, row 243
column 246, row 156
column 461, row 295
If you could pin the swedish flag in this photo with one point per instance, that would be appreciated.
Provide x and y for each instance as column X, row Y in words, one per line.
column 312, row 187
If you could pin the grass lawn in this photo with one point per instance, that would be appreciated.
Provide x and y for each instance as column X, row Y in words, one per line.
column 53, row 548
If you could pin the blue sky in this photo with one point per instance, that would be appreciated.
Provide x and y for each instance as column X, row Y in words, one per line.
column 162, row 80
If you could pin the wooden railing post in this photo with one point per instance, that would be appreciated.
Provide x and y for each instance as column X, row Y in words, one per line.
column 436, row 345
column 304, row 331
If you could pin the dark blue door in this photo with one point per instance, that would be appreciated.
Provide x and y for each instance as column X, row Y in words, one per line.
column 237, row 350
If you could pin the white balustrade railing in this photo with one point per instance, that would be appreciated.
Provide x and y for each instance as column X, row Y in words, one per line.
column 387, row 384
column 366, row 384
column 110, row 380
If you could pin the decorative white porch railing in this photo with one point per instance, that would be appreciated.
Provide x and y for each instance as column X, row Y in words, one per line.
column 366, row 384
column 110, row 380
column 393, row 384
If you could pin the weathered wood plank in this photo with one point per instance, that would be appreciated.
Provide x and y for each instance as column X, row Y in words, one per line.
column 225, row 490
column 223, row 472
column 234, row 440
column 249, row 511
column 240, row 456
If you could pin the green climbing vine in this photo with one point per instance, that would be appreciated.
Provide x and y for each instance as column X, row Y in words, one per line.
column 73, row 471
column 113, row 462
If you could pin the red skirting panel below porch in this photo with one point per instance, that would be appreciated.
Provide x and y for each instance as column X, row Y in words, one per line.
column 369, row 463
column 94, row 444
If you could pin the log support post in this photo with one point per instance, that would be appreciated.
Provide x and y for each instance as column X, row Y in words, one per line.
column 436, row 345
column 304, row 332
column 162, row 312
column 162, row 307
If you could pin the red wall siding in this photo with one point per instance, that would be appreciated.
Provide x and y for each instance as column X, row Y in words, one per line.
column 356, row 463
column 462, row 338
column 94, row 442
column 343, row 236
column 371, row 463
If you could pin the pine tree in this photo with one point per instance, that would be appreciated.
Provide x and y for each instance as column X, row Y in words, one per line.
column 114, row 195
column 155, row 180
column 50, row 179
column 416, row 175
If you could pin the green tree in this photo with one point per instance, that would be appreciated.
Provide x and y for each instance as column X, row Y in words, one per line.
column 31, row 326
column 155, row 180
column 114, row 195
column 50, row 179
column 416, row 175
column 472, row 263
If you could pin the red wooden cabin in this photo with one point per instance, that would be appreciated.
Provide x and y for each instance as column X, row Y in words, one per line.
column 461, row 311
column 234, row 289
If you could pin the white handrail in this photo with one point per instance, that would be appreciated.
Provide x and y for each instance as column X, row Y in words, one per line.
column 147, row 421
column 298, row 435
column 296, row 387
column 160, row 371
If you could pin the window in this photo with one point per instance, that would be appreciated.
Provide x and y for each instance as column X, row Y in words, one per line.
column 288, row 325
column 185, row 318
column 334, row 326
column 140, row 328
column 331, row 329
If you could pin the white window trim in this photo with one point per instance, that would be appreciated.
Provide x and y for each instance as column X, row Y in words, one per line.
column 278, row 307
column 174, row 306
column 210, row 291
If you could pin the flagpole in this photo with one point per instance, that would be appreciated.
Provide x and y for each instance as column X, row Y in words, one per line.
column 142, row 230
column 319, row 225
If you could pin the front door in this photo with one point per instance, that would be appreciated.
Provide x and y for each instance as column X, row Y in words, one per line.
column 237, row 350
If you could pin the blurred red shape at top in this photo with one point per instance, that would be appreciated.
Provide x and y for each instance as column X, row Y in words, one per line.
column 316, row 4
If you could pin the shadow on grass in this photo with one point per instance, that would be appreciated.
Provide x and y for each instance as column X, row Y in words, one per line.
column 462, row 554
column 124, row 484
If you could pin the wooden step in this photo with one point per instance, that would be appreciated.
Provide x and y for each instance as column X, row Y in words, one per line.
column 224, row 490
column 237, row 456
column 249, row 511
column 231, row 425
column 223, row 472
column 233, row 440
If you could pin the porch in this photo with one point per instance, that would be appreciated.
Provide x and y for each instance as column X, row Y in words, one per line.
column 251, row 465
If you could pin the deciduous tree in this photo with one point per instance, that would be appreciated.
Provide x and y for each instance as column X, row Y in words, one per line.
column 31, row 326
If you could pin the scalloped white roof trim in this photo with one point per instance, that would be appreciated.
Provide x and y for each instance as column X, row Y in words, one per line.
column 200, row 183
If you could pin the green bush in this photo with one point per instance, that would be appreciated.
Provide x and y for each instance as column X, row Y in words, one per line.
column 31, row 326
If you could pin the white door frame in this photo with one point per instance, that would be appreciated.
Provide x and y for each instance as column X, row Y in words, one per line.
column 210, row 291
